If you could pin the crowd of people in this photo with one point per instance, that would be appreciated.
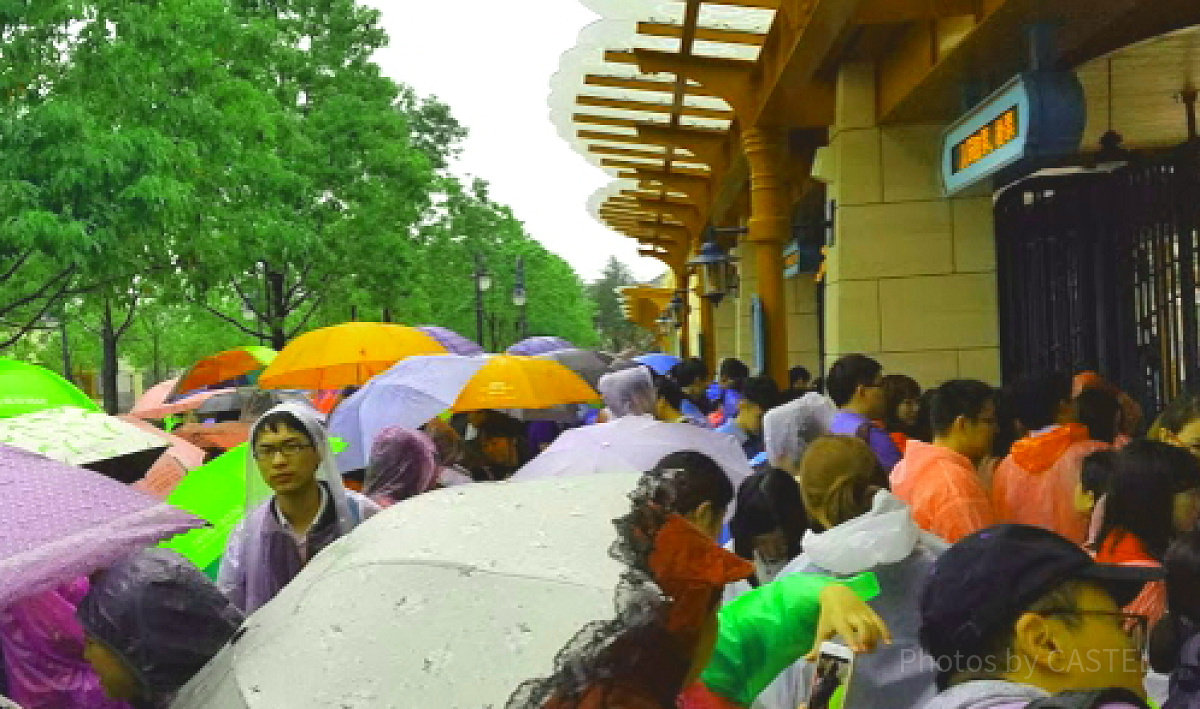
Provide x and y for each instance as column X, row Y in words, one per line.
column 972, row 546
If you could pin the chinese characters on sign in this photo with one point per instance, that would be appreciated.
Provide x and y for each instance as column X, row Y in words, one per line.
column 989, row 138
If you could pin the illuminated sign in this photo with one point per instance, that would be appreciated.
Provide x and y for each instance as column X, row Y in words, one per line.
column 989, row 138
column 1035, row 115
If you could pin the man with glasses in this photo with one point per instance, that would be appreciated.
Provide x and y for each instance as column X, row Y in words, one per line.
column 855, row 383
column 1013, row 614
column 296, row 506
column 940, row 481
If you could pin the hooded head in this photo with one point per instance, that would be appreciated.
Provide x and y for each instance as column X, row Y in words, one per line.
column 290, row 448
column 403, row 464
column 152, row 621
column 629, row 392
column 788, row 429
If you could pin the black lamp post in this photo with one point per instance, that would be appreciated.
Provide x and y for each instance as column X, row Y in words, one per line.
column 520, row 298
column 483, row 282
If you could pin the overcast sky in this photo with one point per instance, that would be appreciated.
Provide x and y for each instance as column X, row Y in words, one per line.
column 491, row 62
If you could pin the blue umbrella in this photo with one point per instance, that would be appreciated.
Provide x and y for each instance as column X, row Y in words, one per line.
column 660, row 362
column 452, row 341
column 409, row 394
column 540, row 345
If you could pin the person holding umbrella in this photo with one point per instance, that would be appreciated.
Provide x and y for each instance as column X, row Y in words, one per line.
column 296, row 506
column 403, row 464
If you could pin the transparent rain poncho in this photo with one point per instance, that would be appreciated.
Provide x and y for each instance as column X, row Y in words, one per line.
column 162, row 616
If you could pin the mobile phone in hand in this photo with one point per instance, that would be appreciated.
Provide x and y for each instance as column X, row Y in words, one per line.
column 834, row 668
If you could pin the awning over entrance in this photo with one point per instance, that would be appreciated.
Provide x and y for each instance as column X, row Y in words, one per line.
column 658, row 134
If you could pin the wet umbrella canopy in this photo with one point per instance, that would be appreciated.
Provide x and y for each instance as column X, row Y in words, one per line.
column 59, row 522
column 393, row 615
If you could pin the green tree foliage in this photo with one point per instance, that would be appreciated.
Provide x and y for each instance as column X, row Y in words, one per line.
column 616, row 333
column 185, row 176
column 466, row 224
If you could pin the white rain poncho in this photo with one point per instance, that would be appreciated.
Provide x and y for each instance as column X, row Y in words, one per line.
column 788, row 429
column 629, row 392
column 262, row 556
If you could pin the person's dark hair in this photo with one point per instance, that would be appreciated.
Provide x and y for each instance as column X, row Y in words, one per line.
column 848, row 374
column 669, row 391
column 1178, row 414
column 761, row 391
column 768, row 501
column 1036, row 398
column 734, row 369
column 818, row 385
column 923, row 429
column 797, row 375
column 1182, row 564
column 1141, row 494
column 689, row 371
column 958, row 397
column 275, row 421
column 697, row 479
column 1099, row 410
column 1097, row 472
column 1007, row 427
column 997, row 651
column 897, row 388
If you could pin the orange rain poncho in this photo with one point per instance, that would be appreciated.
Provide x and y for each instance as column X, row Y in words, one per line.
column 1036, row 483
column 944, row 491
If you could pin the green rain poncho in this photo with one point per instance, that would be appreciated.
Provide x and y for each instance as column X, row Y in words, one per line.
column 768, row 629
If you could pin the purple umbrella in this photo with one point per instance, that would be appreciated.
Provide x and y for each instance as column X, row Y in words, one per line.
column 452, row 341
column 59, row 522
column 539, row 346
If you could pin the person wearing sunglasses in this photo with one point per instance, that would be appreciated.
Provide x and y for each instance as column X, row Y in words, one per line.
column 1014, row 614
column 296, row 506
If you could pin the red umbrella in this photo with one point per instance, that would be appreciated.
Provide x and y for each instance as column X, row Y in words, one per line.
column 153, row 404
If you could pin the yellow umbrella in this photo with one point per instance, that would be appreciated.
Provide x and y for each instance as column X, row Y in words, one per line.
column 517, row 382
column 345, row 355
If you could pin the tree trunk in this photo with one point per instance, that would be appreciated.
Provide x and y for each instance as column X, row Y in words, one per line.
column 109, row 363
column 276, row 315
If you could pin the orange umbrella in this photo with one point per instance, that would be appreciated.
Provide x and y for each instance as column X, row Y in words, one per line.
column 224, row 366
column 518, row 382
column 345, row 355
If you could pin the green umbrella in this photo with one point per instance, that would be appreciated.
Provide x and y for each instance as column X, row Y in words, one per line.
column 25, row 388
column 216, row 491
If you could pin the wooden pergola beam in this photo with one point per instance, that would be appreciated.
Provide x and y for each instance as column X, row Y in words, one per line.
column 648, row 107
column 707, row 34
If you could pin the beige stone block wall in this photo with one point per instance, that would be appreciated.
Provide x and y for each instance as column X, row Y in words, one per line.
column 911, row 277
column 804, row 330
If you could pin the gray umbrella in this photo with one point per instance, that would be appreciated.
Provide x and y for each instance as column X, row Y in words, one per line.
column 586, row 363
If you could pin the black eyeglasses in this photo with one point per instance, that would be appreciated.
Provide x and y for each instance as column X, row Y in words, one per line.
column 1135, row 625
column 291, row 449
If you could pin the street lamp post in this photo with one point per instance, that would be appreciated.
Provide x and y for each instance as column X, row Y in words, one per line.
column 520, row 298
column 483, row 282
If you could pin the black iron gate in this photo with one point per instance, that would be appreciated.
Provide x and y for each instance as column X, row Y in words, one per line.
column 1098, row 271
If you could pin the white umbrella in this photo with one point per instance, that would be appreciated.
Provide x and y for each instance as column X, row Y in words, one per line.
column 633, row 444
column 450, row 600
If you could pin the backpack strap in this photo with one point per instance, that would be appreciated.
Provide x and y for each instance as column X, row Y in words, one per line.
column 1092, row 699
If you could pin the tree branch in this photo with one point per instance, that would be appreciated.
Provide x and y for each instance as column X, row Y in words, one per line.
column 20, row 261
column 129, row 315
column 226, row 318
column 32, row 323
column 290, row 294
column 304, row 320
column 247, row 301
column 41, row 292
